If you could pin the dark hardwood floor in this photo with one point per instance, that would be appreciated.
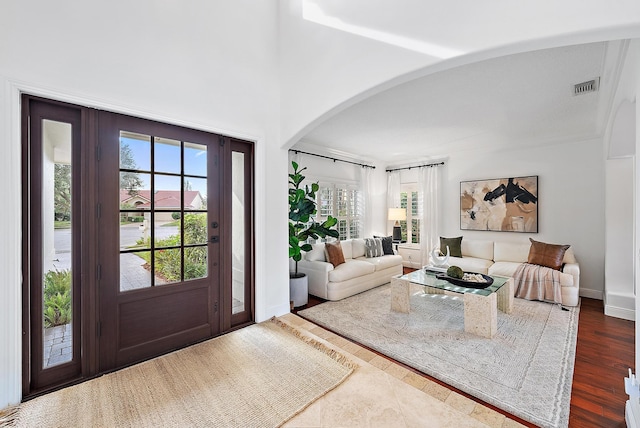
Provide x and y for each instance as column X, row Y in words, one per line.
column 605, row 351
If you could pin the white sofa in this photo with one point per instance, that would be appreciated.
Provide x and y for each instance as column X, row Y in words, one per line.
column 502, row 259
column 357, row 274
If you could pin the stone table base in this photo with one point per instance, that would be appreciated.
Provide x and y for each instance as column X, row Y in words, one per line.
column 400, row 294
column 480, row 312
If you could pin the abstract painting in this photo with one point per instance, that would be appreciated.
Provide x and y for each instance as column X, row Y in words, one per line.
column 500, row 205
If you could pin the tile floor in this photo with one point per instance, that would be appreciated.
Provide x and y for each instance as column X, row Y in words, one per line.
column 381, row 393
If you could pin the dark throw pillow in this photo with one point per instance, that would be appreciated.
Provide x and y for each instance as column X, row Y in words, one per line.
column 387, row 244
column 455, row 246
column 549, row 255
column 334, row 253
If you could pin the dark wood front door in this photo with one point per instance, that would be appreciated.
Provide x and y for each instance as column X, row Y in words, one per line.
column 160, row 223
column 137, row 240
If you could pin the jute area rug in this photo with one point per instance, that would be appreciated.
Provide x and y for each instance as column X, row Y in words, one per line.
column 526, row 369
column 259, row 376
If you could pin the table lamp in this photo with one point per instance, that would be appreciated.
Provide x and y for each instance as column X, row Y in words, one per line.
column 397, row 215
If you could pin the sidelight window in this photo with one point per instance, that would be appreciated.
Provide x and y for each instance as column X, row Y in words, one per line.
column 57, row 243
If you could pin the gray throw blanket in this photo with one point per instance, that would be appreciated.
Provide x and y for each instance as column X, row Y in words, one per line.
column 534, row 282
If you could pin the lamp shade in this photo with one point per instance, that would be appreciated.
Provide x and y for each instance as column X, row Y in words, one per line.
column 396, row 214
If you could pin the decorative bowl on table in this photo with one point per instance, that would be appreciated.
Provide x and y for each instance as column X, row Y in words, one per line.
column 466, row 283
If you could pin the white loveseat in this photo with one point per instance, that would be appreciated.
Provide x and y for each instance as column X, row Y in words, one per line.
column 357, row 274
column 502, row 259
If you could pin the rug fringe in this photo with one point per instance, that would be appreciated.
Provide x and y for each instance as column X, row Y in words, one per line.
column 8, row 416
column 334, row 354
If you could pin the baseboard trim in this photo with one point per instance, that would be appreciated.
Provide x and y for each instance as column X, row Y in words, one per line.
column 625, row 314
column 591, row 294
column 620, row 305
column 273, row 311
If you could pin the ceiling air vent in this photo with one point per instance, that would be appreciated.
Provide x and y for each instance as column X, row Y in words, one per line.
column 586, row 87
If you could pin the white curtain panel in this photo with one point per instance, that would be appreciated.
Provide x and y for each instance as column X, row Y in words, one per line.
column 365, row 203
column 393, row 192
column 428, row 208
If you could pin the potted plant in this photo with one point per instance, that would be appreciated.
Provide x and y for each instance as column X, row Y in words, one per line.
column 302, row 226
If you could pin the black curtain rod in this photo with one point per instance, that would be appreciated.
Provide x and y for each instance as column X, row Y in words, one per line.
column 418, row 166
column 333, row 159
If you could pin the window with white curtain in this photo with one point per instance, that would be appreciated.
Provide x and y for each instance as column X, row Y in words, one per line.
column 411, row 226
column 343, row 202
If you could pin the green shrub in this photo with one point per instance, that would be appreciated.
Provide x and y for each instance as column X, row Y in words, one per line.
column 175, row 216
column 57, row 297
column 168, row 264
column 195, row 263
column 195, row 229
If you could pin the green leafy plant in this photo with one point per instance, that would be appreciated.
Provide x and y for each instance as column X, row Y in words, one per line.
column 302, row 208
column 57, row 297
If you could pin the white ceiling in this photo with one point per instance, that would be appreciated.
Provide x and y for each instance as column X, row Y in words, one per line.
column 517, row 100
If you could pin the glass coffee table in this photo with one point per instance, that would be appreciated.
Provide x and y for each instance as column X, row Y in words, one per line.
column 480, row 304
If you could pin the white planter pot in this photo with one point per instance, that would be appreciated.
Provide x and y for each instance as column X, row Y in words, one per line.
column 299, row 290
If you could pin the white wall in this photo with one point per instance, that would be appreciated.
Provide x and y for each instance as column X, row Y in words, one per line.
column 330, row 62
column 619, row 298
column 570, row 206
column 619, row 150
column 207, row 65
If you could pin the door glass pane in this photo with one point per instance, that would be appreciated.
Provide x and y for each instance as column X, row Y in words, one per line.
column 168, row 266
column 195, row 193
column 135, row 151
column 195, row 228
column 195, row 262
column 135, row 270
column 134, row 230
column 57, row 243
column 195, row 159
column 134, row 191
column 167, row 155
column 238, row 232
column 166, row 230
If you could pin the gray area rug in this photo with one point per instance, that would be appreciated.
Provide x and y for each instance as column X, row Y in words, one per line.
column 526, row 369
